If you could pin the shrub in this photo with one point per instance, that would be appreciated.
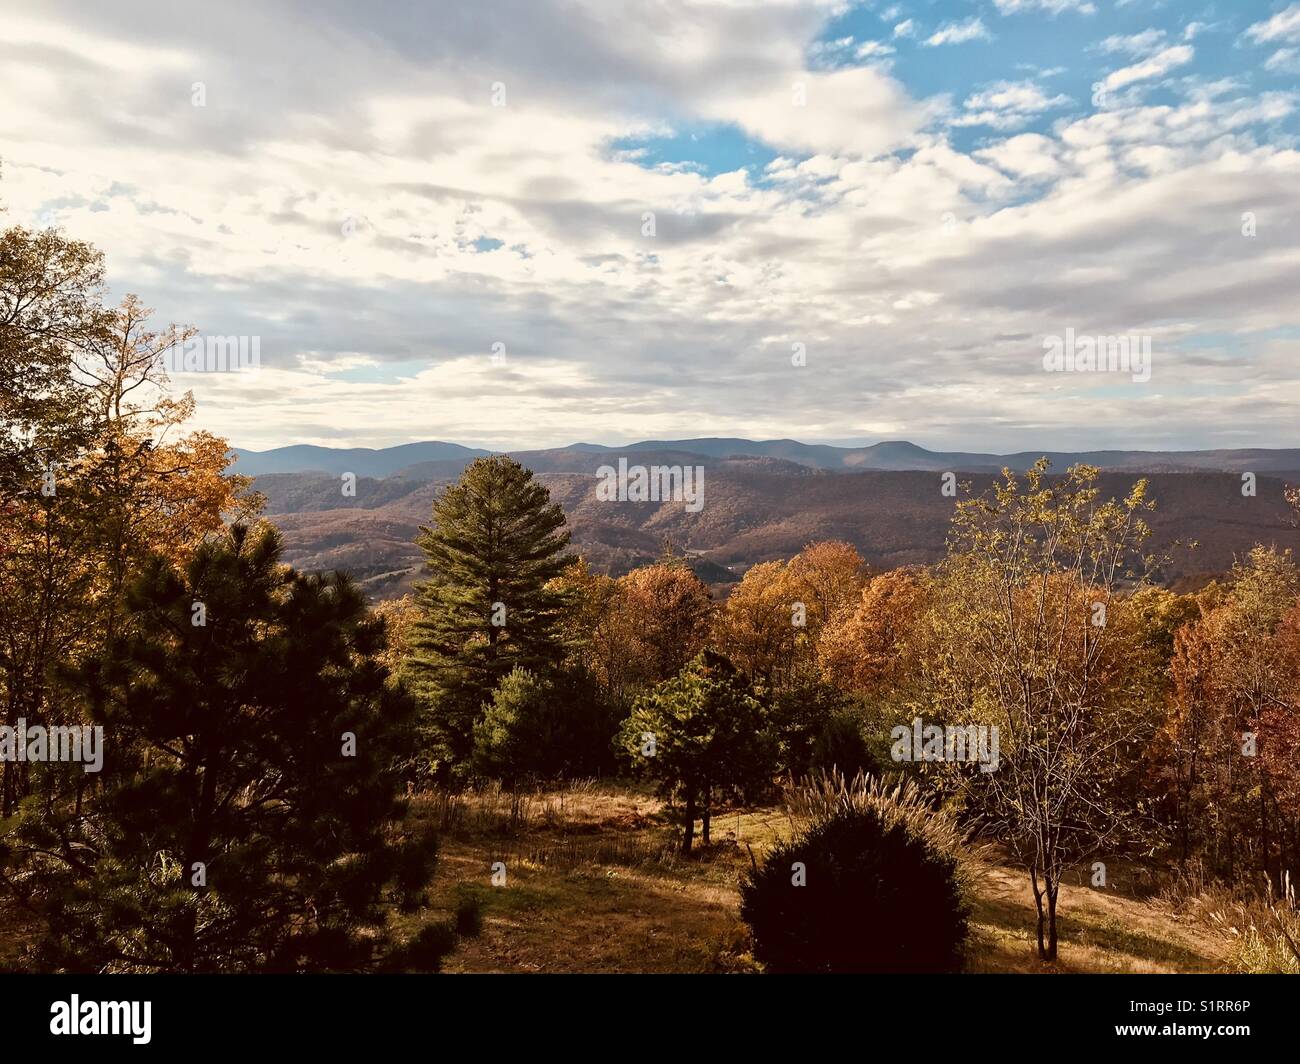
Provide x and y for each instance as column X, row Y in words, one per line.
column 545, row 728
column 839, row 744
column 820, row 729
column 896, row 799
column 469, row 916
column 875, row 897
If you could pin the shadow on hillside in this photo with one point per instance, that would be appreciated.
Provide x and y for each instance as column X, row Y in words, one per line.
column 1083, row 926
column 561, row 915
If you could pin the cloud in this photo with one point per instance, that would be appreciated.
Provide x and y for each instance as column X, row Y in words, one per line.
column 919, row 271
column 1008, row 105
column 972, row 29
column 850, row 111
column 1055, row 7
column 1143, row 43
column 1284, row 26
column 1156, row 66
column 870, row 49
column 1284, row 61
column 1029, row 156
column 1015, row 96
column 906, row 28
column 107, row 54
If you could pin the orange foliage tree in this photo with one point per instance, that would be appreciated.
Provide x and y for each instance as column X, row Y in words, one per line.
column 1229, row 740
column 667, row 615
column 867, row 647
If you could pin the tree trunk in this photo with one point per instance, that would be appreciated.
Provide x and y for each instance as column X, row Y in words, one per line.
column 1053, row 887
column 1232, row 835
column 688, row 836
column 1266, row 844
column 1188, row 791
column 707, row 814
column 1038, row 905
column 186, row 949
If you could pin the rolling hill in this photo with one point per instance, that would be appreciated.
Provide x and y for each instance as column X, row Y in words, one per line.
column 757, row 506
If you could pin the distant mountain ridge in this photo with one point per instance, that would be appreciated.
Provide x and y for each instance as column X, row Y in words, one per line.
column 762, row 501
column 435, row 458
column 364, row 461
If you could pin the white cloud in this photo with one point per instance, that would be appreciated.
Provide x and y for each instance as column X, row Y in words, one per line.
column 120, row 56
column 1284, row 26
column 921, row 280
column 1055, row 7
column 1284, row 61
column 972, row 29
column 1157, row 66
column 1015, row 96
column 1028, row 156
column 1134, row 44
column 1008, row 105
column 851, row 111
column 906, row 28
column 870, row 49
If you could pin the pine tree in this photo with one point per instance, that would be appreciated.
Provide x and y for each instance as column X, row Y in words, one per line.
column 546, row 729
column 704, row 736
column 496, row 543
column 248, row 814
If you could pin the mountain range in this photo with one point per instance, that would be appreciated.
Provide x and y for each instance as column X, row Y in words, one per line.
column 762, row 500
column 890, row 454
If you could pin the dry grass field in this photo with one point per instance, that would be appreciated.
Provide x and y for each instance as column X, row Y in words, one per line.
column 593, row 883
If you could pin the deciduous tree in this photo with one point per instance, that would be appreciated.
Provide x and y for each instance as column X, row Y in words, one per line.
column 669, row 614
column 1033, row 568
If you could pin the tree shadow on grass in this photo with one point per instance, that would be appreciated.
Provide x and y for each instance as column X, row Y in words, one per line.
column 1087, row 927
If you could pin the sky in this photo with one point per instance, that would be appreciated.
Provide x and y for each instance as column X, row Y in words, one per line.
column 527, row 223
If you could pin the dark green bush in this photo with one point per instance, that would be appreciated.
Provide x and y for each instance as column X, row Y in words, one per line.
column 820, row 729
column 469, row 916
column 545, row 727
column 839, row 744
column 875, row 899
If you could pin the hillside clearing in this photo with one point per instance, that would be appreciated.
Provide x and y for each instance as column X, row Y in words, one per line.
column 594, row 884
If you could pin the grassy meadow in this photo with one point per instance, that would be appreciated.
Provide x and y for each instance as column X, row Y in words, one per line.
column 595, row 884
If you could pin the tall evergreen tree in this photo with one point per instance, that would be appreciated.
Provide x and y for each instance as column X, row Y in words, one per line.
column 496, row 543
column 247, row 815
